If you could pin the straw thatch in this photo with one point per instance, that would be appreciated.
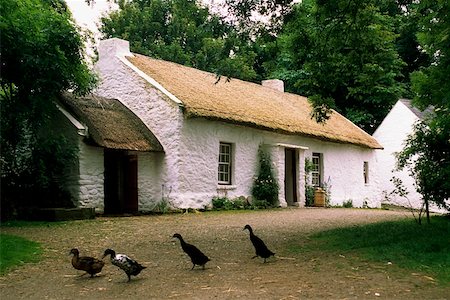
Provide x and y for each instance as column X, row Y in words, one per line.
column 248, row 104
column 111, row 124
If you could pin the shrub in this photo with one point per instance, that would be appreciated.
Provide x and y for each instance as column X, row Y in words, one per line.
column 309, row 195
column 265, row 186
column 348, row 203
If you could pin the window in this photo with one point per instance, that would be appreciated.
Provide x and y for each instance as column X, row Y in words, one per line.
column 316, row 173
column 224, row 174
column 366, row 172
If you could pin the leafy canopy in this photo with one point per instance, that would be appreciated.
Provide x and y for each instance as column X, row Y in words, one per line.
column 427, row 150
column 181, row 31
column 41, row 56
column 341, row 55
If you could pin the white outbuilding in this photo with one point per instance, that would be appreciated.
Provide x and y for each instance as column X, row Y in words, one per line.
column 392, row 134
column 203, row 136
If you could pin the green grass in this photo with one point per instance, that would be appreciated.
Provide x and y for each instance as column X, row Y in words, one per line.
column 16, row 250
column 424, row 248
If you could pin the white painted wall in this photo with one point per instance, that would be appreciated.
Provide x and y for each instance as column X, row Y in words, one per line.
column 91, row 177
column 392, row 134
column 187, row 172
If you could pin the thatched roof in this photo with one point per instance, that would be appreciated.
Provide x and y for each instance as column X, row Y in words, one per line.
column 248, row 104
column 111, row 124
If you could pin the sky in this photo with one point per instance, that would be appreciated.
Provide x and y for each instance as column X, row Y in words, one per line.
column 88, row 16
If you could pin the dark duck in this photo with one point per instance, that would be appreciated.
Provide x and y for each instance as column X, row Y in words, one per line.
column 197, row 256
column 89, row 264
column 128, row 265
column 260, row 248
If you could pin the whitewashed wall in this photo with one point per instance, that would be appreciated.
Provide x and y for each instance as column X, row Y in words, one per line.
column 158, row 174
column 187, row 172
column 392, row 134
column 91, row 177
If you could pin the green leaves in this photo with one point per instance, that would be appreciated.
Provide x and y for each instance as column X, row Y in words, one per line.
column 265, row 186
column 427, row 151
column 345, row 51
column 41, row 56
column 183, row 32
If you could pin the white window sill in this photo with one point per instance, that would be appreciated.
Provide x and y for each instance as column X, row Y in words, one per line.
column 225, row 187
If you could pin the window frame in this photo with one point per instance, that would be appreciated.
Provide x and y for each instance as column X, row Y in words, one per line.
column 224, row 176
column 366, row 172
column 317, row 169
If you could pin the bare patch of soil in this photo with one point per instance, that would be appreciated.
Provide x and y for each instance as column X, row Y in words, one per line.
column 230, row 274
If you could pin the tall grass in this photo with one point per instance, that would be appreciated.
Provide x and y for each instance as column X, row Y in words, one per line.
column 16, row 250
column 423, row 247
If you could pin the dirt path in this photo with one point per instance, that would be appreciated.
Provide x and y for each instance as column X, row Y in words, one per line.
column 231, row 274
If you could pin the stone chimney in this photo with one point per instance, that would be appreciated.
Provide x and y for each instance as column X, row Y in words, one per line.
column 275, row 84
column 112, row 48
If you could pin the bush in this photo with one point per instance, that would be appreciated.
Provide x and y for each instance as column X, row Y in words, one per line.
column 223, row 203
column 348, row 203
column 309, row 195
column 265, row 186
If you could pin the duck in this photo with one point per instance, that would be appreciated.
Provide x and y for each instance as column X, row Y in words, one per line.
column 89, row 264
column 260, row 248
column 128, row 265
column 197, row 256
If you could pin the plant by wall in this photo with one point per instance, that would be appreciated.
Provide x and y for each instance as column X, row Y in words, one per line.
column 265, row 186
column 309, row 189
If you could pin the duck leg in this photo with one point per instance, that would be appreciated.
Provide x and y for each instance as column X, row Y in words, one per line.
column 193, row 266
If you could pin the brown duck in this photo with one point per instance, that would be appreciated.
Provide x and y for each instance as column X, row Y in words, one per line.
column 89, row 264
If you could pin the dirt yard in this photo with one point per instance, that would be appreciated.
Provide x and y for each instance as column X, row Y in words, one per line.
column 230, row 274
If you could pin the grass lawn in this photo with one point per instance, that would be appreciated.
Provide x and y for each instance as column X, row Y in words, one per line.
column 416, row 247
column 16, row 250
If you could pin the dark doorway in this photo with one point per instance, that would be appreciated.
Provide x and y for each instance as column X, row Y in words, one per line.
column 290, row 179
column 121, row 187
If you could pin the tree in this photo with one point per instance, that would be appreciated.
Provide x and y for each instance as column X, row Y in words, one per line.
column 341, row 55
column 427, row 150
column 41, row 56
column 181, row 31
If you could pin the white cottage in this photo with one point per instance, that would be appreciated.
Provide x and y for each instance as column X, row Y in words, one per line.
column 392, row 134
column 210, row 133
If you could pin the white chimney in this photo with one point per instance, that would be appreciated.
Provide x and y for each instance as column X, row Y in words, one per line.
column 114, row 47
column 275, row 84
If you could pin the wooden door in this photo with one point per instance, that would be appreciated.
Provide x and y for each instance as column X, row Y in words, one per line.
column 120, row 182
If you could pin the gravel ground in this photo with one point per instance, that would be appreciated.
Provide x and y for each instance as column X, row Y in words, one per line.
column 230, row 274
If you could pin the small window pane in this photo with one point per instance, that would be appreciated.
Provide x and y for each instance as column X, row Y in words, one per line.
column 224, row 170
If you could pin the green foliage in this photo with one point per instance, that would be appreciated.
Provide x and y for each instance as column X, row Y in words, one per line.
column 41, row 56
column 427, row 152
column 224, row 203
column 309, row 189
column 15, row 251
column 403, row 243
column 427, row 157
column 184, row 32
column 341, row 55
column 348, row 203
column 265, row 186
column 309, row 195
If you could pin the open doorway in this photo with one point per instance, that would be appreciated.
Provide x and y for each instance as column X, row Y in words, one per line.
column 121, row 187
column 291, row 173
